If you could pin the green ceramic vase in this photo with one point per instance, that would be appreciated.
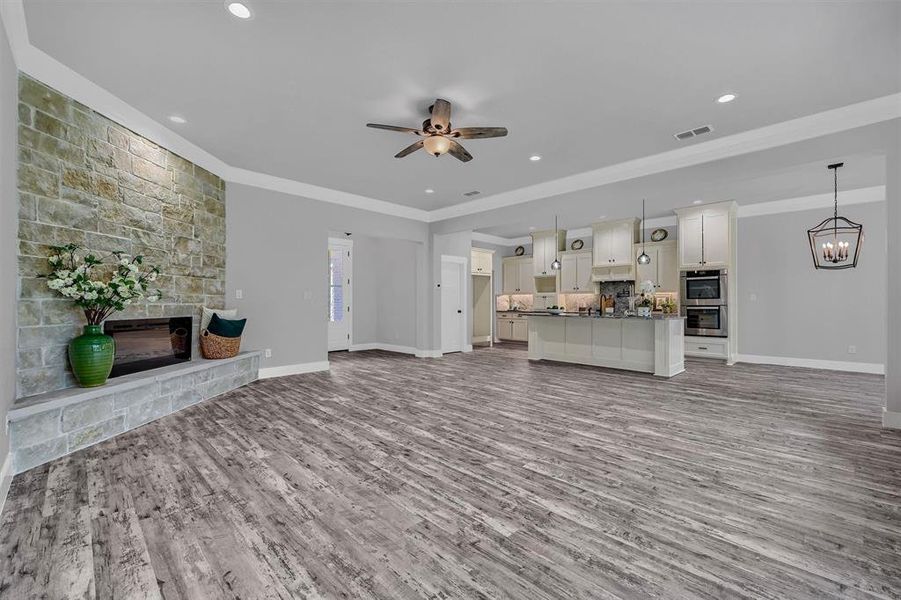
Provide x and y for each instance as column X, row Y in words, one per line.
column 91, row 355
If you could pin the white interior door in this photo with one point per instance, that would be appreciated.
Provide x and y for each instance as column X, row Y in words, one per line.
column 453, row 304
column 340, row 293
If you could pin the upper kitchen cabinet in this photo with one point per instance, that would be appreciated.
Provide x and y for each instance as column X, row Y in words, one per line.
column 546, row 247
column 663, row 270
column 517, row 275
column 575, row 273
column 481, row 261
column 612, row 251
column 613, row 242
column 706, row 235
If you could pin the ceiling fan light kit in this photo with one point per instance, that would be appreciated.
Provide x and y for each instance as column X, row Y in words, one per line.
column 439, row 136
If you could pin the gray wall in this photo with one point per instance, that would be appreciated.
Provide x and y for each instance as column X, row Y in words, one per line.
column 8, row 212
column 276, row 252
column 385, row 291
column 804, row 313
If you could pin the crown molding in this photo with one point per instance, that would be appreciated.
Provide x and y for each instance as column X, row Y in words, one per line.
column 779, row 134
column 775, row 207
column 487, row 238
column 40, row 65
column 48, row 70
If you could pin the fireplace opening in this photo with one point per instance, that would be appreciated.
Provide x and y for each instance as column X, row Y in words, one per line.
column 143, row 344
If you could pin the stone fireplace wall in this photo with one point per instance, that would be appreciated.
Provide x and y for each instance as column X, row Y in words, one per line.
column 87, row 180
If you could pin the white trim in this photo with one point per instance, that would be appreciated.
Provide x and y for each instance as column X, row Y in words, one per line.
column 385, row 347
column 6, row 479
column 298, row 369
column 418, row 353
column 778, row 134
column 865, row 195
column 487, row 238
column 816, row 201
column 812, row 363
column 50, row 71
column 891, row 419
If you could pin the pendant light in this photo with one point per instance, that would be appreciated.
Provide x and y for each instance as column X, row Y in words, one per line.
column 555, row 266
column 643, row 258
column 835, row 243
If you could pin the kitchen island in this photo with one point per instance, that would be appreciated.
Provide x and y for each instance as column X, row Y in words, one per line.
column 647, row 344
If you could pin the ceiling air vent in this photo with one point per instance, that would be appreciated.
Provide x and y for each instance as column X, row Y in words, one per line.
column 687, row 135
column 472, row 193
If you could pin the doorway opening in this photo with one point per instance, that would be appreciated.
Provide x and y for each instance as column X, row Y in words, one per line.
column 340, row 294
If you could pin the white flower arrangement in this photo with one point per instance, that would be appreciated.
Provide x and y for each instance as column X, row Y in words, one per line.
column 77, row 277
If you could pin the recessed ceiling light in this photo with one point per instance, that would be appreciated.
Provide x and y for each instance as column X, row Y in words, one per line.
column 726, row 98
column 177, row 119
column 697, row 201
column 535, row 157
column 239, row 10
column 429, row 191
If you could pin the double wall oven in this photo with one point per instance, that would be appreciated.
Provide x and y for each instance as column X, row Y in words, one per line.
column 704, row 302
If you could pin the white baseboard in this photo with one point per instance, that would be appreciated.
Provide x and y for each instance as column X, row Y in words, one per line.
column 6, row 479
column 811, row 363
column 298, row 369
column 467, row 348
column 385, row 347
column 481, row 339
column 891, row 419
column 401, row 349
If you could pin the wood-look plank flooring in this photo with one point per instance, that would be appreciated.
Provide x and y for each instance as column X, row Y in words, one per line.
column 478, row 476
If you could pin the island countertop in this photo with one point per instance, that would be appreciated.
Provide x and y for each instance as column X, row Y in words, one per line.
column 653, row 317
column 648, row 344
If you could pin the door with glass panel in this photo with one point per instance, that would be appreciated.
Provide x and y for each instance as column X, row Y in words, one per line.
column 340, row 293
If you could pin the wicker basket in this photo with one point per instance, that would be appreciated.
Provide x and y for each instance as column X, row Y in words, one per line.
column 215, row 346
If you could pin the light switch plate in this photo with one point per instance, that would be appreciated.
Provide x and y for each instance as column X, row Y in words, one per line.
column 239, row 294
column 267, row 352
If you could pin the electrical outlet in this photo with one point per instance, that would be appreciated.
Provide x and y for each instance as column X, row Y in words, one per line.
column 307, row 295
column 239, row 294
column 753, row 297
column 267, row 352
column 852, row 349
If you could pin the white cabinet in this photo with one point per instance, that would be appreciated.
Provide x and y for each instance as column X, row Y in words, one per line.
column 575, row 272
column 517, row 275
column 613, row 242
column 663, row 269
column 512, row 327
column 544, row 301
column 706, row 235
column 481, row 262
column 546, row 246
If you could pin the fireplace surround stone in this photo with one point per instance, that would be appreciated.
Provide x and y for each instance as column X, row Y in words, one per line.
column 46, row 426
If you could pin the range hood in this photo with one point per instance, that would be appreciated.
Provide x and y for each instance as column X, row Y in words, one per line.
column 602, row 274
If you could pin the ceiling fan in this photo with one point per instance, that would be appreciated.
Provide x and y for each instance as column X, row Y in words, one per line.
column 438, row 137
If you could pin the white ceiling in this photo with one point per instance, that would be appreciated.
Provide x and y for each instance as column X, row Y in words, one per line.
column 584, row 84
column 792, row 171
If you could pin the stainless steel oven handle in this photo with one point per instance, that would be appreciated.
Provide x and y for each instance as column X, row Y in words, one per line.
column 700, row 278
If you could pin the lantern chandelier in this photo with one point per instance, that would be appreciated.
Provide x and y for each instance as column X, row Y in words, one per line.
column 835, row 243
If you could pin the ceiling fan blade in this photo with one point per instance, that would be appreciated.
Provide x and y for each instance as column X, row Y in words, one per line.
column 409, row 149
column 441, row 112
column 394, row 128
column 459, row 152
column 479, row 132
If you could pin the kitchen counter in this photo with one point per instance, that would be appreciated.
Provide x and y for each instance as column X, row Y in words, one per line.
column 647, row 344
column 653, row 317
